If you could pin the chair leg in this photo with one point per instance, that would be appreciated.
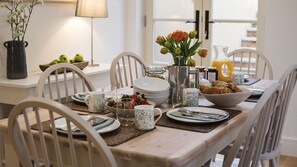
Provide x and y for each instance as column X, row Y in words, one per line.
column 272, row 163
column 207, row 164
column 262, row 163
column 214, row 158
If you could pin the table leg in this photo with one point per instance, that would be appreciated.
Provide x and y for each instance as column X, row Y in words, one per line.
column 11, row 158
column 4, row 112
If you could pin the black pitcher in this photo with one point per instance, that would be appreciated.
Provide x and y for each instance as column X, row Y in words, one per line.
column 16, row 59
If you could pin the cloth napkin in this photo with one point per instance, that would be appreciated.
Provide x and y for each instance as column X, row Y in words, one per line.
column 102, row 123
column 194, row 117
column 251, row 81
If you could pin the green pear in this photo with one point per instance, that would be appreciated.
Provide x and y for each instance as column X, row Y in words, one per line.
column 54, row 62
column 78, row 58
column 72, row 61
column 63, row 59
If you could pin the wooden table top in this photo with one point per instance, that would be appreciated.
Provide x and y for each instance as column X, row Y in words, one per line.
column 173, row 147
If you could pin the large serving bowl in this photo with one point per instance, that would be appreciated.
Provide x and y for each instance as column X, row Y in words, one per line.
column 228, row 99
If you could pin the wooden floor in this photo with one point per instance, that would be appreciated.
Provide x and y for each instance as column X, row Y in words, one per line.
column 286, row 161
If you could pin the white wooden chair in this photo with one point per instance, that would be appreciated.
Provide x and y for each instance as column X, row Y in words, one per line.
column 51, row 149
column 252, row 135
column 60, row 81
column 272, row 147
column 125, row 69
column 251, row 62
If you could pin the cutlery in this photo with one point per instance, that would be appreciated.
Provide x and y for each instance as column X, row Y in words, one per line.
column 93, row 120
column 191, row 113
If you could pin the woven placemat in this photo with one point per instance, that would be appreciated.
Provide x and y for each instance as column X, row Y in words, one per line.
column 203, row 128
column 81, row 107
column 114, row 138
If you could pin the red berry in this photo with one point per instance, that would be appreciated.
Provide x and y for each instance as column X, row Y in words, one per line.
column 134, row 97
column 143, row 101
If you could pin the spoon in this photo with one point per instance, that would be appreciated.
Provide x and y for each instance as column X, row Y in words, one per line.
column 190, row 113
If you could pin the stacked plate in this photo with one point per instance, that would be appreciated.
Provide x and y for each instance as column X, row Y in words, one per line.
column 154, row 89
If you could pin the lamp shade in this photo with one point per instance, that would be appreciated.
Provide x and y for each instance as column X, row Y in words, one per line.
column 91, row 8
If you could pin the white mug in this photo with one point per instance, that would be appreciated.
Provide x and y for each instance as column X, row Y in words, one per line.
column 144, row 117
column 95, row 101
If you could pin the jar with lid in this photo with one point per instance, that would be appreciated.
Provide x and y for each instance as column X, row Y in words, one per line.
column 155, row 71
column 193, row 78
column 201, row 71
column 212, row 74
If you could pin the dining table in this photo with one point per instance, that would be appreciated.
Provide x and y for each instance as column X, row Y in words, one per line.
column 164, row 146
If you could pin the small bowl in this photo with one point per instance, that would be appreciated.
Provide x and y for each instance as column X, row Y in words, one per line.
column 228, row 99
column 151, row 84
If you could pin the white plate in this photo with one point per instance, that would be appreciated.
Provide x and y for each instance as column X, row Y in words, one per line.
column 73, row 97
column 60, row 123
column 78, row 97
column 202, row 109
column 256, row 91
column 81, row 96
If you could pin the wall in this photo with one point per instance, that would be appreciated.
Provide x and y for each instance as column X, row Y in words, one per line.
column 280, row 34
column 54, row 30
column 134, row 26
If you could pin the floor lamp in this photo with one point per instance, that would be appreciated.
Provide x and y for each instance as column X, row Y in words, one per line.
column 92, row 9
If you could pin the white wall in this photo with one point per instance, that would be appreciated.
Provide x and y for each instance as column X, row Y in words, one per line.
column 280, row 46
column 54, row 30
column 134, row 26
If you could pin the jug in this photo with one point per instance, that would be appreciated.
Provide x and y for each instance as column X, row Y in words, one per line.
column 223, row 64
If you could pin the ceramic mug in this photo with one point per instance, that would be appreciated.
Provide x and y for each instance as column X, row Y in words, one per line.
column 95, row 101
column 144, row 117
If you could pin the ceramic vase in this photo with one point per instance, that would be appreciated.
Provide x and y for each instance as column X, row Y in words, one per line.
column 16, row 59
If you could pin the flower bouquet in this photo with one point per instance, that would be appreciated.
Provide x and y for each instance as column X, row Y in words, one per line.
column 181, row 45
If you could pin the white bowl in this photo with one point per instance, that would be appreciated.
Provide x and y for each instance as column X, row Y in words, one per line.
column 228, row 99
column 156, row 94
column 151, row 84
column 158, row 100
column 136, row 89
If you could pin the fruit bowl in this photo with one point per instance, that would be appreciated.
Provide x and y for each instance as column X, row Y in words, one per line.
column 228, row 99
column 114, row 110
column 127, row 103
column 80, row 65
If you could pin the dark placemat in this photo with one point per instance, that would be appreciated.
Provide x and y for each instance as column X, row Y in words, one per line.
column 80, row 107
column 250, row 81
column 197, row 127
column 253, row 99
column 114, row 138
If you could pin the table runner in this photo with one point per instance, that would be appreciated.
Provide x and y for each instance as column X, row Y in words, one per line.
column 114, row 138
column 203, row 128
